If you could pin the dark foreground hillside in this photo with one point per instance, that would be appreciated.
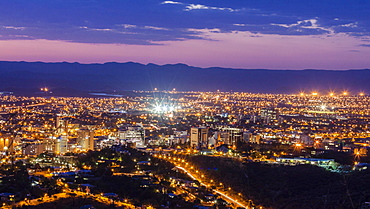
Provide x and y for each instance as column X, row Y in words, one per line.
column 289, row 187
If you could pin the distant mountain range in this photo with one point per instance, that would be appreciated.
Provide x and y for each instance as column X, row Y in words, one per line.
column 77, row 79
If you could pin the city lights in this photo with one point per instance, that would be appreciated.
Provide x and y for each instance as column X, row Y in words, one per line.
column 165, row 108
column 214, row 124
column 185, row 104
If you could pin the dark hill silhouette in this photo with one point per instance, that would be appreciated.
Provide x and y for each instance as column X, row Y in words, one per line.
column 22, row 77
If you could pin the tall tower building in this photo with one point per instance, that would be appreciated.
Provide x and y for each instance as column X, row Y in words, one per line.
column 49, row 144
column 85, row 138
column 230, row 135
column 6, row 143
column 61, row 125
column 61, row 145
column 198, row 138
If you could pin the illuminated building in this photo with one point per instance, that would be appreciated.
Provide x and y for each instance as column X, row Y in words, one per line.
column 61, row 145
column 199, row 138
column 230, row 136
column 306, row 140
column 252, row 138
column 33, row 148
column 49, row 144
column 85, row 138
column 61, row 125
column 180, row 137
column 6, row 144
column 269, row 114
column 133, row 134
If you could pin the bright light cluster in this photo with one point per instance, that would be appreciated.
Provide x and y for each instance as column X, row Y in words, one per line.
column 164, row 108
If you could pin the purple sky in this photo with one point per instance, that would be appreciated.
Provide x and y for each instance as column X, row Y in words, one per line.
column 238, row 34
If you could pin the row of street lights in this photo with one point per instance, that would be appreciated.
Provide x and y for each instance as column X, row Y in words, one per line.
column 196, row 175
column 332, row 94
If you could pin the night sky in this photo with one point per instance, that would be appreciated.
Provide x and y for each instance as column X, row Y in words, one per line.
column 284, row 34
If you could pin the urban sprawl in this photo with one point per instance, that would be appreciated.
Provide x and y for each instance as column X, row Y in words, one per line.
column 61, row 147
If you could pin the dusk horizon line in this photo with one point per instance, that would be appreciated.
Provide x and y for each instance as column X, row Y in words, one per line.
column 179, row 63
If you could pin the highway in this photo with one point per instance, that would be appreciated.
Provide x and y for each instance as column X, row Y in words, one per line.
column 225, row 196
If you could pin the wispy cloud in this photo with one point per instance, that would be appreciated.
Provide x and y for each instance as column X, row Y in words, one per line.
column 171, row 2
column 22, row 36
column 305, row 24
column 200, row 6
column 141, row 22
column 106, row 30
column 14, row 27
column 128, row 26
column 155, row 28
column 350, row 25
column 97, row 29
column 102, row 29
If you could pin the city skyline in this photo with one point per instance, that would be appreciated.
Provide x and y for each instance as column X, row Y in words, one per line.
column 184, row 104
column 236, row 34
column 151, row 149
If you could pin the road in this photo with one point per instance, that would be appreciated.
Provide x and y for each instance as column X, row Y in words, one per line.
column 67, row 194
column 181, row 165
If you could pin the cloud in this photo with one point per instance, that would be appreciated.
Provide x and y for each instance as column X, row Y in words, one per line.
column 22, row 36
column 148, row 21
column 215, row 30
column 13, row 27
column 128, row 26
column 365, row 45
column 102, row 29
column 155, row 28
column 350, row 25
column 305, row 24
column 200, row 6
column 171, row 2
column 98, row 29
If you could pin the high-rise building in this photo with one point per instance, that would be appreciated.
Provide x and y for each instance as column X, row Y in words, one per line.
column 133, row 134
column 6, row 143
column 61, row 145
column 269, row 114
column 181, row 137
column 61, row 125
column 230, row 136
column 199, row 138
column 85, row 138
column 49, row 144
column 33, row 148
